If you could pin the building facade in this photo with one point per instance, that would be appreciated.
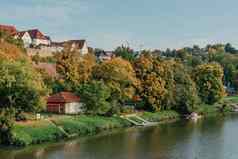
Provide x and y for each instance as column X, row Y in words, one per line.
column 64, row 103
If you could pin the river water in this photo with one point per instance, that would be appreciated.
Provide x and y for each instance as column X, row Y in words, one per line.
column 211, row 138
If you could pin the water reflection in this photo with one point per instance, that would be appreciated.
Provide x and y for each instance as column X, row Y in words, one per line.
column 212, row 138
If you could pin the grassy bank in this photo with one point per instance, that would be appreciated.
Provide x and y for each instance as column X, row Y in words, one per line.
column 224, row 106
column 160, row 116
column 62, row 127
column 36, row 132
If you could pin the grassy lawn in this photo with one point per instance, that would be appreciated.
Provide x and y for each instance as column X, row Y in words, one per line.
column 160, row 116
column 50, row 129
column 232, row 99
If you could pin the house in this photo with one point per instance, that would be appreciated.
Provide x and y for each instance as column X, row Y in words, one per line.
column 33, row 38
column 77, row 45
column 38, row 37
column 64, row 103
column 9, row 29
column 104, row 55
column 25, row 37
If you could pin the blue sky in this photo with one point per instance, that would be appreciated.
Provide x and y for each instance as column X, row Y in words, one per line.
column 143, row 24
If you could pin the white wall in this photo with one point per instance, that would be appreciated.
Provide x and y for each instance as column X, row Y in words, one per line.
column 73, row 108
column 26, row 40
column 84, row 50
column 40, row 41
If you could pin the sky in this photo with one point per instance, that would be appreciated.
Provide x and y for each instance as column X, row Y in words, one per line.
column 141, row 24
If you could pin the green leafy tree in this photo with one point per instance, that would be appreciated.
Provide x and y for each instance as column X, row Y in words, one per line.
column 21, row 87
column 6, row 125
column 95, row 95
column 208, row 78
column 125, row 53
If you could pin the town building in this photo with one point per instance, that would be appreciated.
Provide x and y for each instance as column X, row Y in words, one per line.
column 77, row 46
column 33, row 38
column 64, row 103
column 38, row 37
column 25, row 37
column 102, row 55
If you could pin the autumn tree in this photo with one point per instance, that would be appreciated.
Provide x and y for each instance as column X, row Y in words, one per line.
column 208, row 78
column 75, row 68
column 165, row 84
column 152, row 87
column 119, row 76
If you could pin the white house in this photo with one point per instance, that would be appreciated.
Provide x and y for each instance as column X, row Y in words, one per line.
column 38, row 38
column 25, row 37
column 77, row 45
column 33, row 38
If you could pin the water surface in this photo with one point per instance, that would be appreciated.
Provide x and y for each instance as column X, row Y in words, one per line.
column 211, row 138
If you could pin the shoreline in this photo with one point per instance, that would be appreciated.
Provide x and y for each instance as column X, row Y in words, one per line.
column 63, row 127
column 70, row 127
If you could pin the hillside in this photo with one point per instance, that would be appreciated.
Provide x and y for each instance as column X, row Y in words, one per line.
column 10, row 51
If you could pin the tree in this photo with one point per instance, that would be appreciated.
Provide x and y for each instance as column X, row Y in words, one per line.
column 21, row 87
column 6, row 125
column 184, row 90
column 75, row 68
column 208, row 78
column 125, row 53
column 95, row 95
column 119, row 76
column 165, row 84
column 152, row 86
column 230, row 49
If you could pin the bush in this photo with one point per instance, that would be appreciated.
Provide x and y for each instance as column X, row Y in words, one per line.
column 6, row 126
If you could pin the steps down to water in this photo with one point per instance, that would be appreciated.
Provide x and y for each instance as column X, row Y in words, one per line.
column 137, row 120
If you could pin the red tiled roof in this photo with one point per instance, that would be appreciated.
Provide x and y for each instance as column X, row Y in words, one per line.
column 36, row 34
column 8, row 28
column 63, row 97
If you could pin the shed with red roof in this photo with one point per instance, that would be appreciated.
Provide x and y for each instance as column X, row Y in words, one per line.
column 64, row 103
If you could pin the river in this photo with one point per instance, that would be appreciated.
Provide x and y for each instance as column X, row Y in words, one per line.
column 211, row 138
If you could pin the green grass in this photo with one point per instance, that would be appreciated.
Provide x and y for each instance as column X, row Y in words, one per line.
column 206, row 109
column 46, row 131
column 86, row 125
column 39, row 132
column 232, row 99
column 160, row 116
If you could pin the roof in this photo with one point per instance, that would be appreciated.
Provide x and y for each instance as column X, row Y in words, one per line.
column 63, row 97
column 49, row 68
column 8, row 28
column 36, row 34
column 78, row 43
column 20, row 34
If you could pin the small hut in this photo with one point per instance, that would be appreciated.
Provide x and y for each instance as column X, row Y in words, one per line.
column 64, row 103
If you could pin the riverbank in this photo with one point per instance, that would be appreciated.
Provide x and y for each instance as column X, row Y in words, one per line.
column 64, row 127
column 59, row 127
